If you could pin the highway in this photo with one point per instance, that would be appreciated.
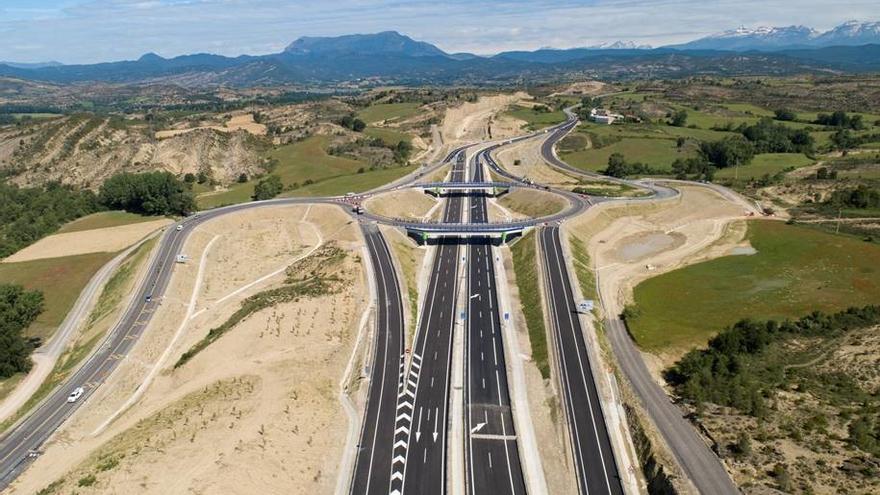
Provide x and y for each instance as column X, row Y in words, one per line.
column 590, row 444
column 492, row 462
column 419, row 463
column 372, row 471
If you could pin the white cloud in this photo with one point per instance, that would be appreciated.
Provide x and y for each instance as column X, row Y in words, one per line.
column 100, row 30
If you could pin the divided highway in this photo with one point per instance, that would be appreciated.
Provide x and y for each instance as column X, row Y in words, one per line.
column 372, row 471
column 491, row 450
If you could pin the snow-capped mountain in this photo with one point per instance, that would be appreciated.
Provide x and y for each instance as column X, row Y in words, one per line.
column 851, row 33
column 774, row 38
column 619, row 45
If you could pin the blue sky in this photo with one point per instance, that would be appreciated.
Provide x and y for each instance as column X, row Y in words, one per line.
column 85, row 31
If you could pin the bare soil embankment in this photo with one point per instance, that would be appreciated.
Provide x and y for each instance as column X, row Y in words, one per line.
column 257, row 411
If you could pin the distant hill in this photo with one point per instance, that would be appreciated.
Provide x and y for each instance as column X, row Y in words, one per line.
column 384, row 43
column 392, row 58
column 31, row 65
column 850, row 33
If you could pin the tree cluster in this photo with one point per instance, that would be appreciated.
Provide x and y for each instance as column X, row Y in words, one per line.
column 18, row 309
column 730, row 151
column 619, row 167
column 861, row 197
column 150, row 193
column 770, row 137
column 353, row 123
column 841, row 120
column 698, row 167
column 785, row 115
column 730, row 372
column 28, row 214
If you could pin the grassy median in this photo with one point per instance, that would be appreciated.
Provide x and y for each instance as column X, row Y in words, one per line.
column 525, row 258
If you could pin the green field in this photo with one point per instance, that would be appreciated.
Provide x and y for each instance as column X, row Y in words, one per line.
column 388, row 111
column 308, row 160
column 337, row 186
column 657, row 153
column 767, row 163
column 796, row 270
column 536, row 120
column 297, row 163
column 104, row 219
column 60, row 279
column 388, row 136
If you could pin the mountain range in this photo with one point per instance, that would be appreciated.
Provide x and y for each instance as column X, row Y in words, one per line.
column 390, row 57
column 851, row 33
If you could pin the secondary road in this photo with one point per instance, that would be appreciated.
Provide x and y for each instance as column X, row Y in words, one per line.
column 590, row 444
column 372, row 471
column 419, row 463
column 491, row 450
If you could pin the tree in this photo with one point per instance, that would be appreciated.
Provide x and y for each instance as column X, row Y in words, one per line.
column 242, row 178
column 679, row 118
column 358, row 125
column 785, row 114
column 743, row 446
column 616, row 166
column 268, row 188
column 843, row 139
column 402, row 150
column 189, row 178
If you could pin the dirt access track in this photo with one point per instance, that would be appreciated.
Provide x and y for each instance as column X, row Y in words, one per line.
column 257, row 411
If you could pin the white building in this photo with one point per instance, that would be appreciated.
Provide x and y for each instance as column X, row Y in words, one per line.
column 603, row 116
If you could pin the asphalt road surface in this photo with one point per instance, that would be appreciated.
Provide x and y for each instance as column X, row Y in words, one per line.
column 419, row 463
column 372, row 471
column 695, row 457
column 491, row 451
column 590, row 444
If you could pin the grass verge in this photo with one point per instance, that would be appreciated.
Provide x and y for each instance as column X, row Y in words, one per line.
column 525, row 259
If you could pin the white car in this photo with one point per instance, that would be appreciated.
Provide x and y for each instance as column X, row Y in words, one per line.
column 179, row 228
column 76, row 394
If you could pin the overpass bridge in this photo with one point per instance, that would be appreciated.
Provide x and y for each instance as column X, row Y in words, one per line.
column 491, row 188
column 502, row 231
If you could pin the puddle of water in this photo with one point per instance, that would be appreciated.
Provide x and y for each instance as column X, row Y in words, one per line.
column 646, row 245
column 743, row 251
